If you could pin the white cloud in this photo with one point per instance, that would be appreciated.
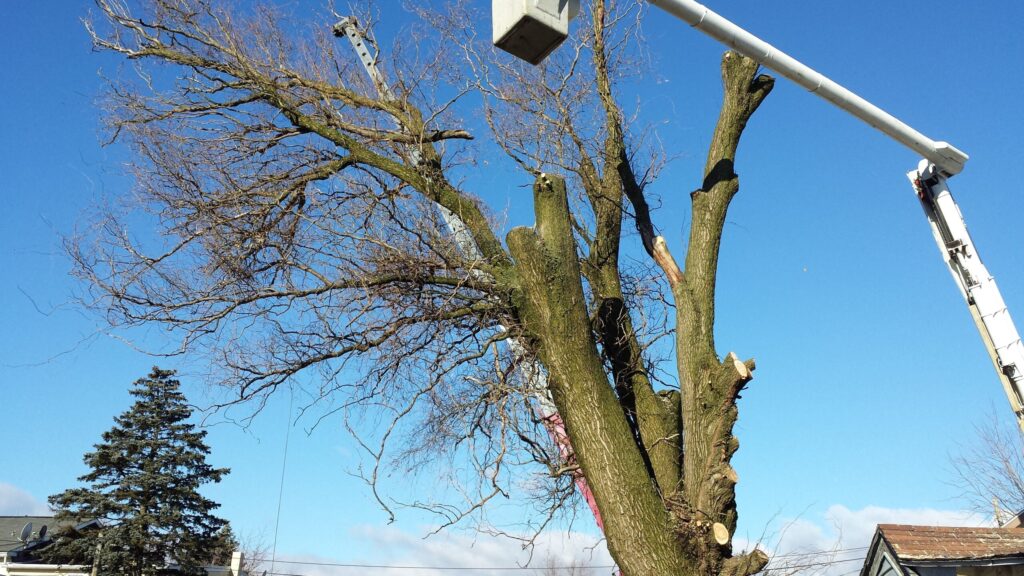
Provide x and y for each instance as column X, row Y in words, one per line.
column 390, row 546
column 16, row 502
column 835, row 543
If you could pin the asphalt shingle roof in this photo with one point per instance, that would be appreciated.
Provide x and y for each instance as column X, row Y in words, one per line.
column 952, row 543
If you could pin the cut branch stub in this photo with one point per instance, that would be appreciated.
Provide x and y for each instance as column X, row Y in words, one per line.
column 742, row 372
column 664, row 258
column 745, row 564
column 721, row 533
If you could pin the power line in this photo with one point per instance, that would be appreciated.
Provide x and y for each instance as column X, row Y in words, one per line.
column 521, row 568
column 817, row 564
column 820, row 552
column 508, row 568
column 400, row 567
column 284, row 467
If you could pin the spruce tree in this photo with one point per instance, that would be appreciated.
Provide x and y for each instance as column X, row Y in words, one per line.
column 143, row 487
column 225, row 544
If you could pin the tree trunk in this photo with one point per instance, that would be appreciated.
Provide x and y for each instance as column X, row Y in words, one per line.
column 554, row 314
column 709, row 386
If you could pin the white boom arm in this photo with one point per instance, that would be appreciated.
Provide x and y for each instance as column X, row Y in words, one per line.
column 349, row 28
column 977, row 286
column 942, row 154
column 942, row 160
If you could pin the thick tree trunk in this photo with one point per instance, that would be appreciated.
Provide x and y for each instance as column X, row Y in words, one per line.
column 554, row 311
column 655, row 418
column 666, row 510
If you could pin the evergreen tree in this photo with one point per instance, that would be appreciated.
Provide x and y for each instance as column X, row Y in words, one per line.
column 143, row 487
column 225, row 543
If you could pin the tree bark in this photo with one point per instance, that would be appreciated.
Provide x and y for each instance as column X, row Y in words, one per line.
column 679, row 516
column 553, row 309
column 654, row 421
column 710, row 387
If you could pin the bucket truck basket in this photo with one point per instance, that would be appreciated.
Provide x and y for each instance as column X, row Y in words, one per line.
column 531, row 29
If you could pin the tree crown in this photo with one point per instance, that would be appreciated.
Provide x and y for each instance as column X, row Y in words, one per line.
column 143, row 486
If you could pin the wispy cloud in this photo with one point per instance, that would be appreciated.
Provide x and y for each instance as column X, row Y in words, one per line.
column 17, row 502
column 835, row 543
column 478, row 554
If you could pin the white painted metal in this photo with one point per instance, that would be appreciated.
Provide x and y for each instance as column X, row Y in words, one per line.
column 976, row 285
column 942, row 160
column 349, row 28
column 942, row 154
column 531, row 29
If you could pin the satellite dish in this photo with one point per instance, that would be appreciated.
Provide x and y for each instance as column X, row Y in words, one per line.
column 42, row 532
column 26, row 532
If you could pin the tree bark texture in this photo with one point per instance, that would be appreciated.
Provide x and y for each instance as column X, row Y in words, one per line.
column 554, row 313
column 710, row 387
column 696, row 484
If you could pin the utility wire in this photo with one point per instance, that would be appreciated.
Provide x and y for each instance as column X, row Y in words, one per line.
column 453, row 568
column 822, row 563
column 820, row 552
column 284, row 467
column 509, row 568
column 344, row 565
column 520, row 568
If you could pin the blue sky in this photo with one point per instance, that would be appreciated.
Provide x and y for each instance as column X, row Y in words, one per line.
column 870, row 371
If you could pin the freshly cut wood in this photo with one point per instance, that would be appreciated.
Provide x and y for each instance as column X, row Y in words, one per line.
column 721, row 533
column 740, row 367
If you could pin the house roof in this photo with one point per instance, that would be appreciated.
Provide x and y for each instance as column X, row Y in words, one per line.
column 10, row 529
column 938, row 543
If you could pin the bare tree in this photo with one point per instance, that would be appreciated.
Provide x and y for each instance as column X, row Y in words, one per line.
column 555, row 568
column 990, row 470
column 301, row 240
column 255, row 549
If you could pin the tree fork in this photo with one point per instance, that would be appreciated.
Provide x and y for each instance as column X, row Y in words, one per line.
column 554, row 313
